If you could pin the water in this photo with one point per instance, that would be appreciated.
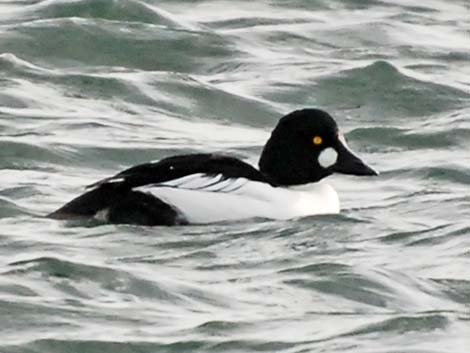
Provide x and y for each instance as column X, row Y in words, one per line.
column 89, row 87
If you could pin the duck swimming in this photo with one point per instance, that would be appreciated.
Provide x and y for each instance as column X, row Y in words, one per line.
column 305, row 147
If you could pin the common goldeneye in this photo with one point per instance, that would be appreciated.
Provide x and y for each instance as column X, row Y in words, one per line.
column 305, row 147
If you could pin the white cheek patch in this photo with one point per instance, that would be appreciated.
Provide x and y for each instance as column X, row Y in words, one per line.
column 327, row 157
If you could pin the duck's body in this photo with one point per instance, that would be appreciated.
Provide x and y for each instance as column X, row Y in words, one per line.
column 304, row 148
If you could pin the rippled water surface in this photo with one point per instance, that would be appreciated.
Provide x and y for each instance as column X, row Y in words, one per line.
column 89, row 87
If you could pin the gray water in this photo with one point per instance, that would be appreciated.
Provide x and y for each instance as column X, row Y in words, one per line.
column 90, row 87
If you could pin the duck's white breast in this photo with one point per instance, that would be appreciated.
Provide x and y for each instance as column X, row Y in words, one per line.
column 203, row 201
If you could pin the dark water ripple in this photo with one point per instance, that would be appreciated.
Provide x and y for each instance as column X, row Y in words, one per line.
column 92, row 86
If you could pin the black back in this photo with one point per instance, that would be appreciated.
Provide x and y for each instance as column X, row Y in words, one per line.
column 179, row 166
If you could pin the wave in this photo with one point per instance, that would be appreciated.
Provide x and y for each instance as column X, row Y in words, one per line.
column 90, row 87
column 411, row 139
column 122, row 11
column 381, row 90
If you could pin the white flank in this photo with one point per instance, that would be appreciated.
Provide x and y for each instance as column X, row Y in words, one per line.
column 234, row 199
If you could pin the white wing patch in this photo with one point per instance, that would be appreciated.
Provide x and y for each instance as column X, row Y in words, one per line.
column 203, row 182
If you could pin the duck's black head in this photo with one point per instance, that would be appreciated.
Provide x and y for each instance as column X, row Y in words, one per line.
column 306, row 146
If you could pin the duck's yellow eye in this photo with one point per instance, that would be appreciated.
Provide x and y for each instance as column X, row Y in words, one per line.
column 317, row 140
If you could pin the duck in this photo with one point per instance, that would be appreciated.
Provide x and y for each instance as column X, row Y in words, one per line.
column 305, row 147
